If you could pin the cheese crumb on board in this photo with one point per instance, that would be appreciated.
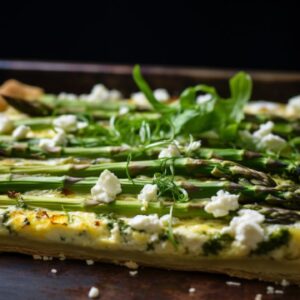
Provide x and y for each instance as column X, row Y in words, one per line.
column 93, row 292
column 233, row 283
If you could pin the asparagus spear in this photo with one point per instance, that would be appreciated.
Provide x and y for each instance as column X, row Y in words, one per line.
column 130, row 207
column 181, row 166
column 288, row 197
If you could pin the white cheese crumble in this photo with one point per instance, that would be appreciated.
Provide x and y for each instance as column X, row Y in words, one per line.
column 293, row 106
column 258, row 297
column 284, row 283
column 133, row 273
column 100, row 93
column 222, row 203
column 68, row 123
column 171, row 151
column 89, row 262
column 20, row 132
column 66, row 96
column 107, row 187
column 140, row 100
column 6, row 124
column 192, row 290
column 193, row 146
column 93, row 292
column 161, row 95
column 147, row 194
column 233, row 283
column 279, row 292
column 203, row 98
column 264, row 139
column 123, row 110
column 131, row 265
column 60, row 138
column 270, row 290
column 53, row 271
column 247, row 228
column 149, row 223
column 261, row 106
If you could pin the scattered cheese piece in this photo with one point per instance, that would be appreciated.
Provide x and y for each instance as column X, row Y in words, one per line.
column 222, row 203
column 53, row 271
column 293, row 106
column 279, row 292
column 284, row 283
column 20, row 132
column 93, row 292
column 149, row 223
column 140, row 100
column 6, row 125
column 147, row 194
column 233, row 283
column 68, row 123
column 89, row 262
column 193, row 146
column 107, row 187
column 133, row 273
column 60, row 138
column 203, row 98
column 270, row 290
column 258, row 297
column 67, row 96
column 171, row 151
column 161, row 95
column 247, row 228
column 192, row 290
column 264, row 129
column 123, row 110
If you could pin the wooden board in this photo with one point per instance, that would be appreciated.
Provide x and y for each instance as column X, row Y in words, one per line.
column 21, row 277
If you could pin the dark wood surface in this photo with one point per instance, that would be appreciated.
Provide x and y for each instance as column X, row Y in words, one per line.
column 21, row 277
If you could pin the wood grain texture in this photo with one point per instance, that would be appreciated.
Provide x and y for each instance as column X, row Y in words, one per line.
column 21, row 277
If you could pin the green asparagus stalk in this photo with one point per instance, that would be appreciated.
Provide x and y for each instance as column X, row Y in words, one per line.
column 181, row 166
column 130, row 207
column 283, row 196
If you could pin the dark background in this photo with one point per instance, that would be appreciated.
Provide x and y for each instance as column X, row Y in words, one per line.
column 230, row 34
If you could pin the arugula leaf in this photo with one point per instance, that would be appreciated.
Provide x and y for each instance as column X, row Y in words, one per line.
column 145, row 88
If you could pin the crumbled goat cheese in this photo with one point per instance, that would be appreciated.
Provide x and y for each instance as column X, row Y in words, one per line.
column 67, row 96
column 149, row 223
column 60, row 138
column 68, row 123
column 264, row 139
column 46, row 145
column 89, row 262
column 53, row 271
column 166, row 219
column 203, row 98
column 272, row 142
column 262, row 106
column 264, row 129
column 107, row 187
column 233, row 283
column 222, row 203
column 258, row 297
column 93, row 292
column 140, row 100
column 171, row 151
column 123, row 110
column 131, row 265
column 279, row 292
column 284, row 283
column 20, row 132
column 147, row 194
column 293, row 106
column 193, row 146
column 247, row 228
column 133, row 273
column 270, row 290
column 192, row 290
column 98, row 93
column 161, row 95
column 6, row 125
column 114, row 95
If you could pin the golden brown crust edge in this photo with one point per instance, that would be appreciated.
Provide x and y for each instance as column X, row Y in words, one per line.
column 249, row 268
